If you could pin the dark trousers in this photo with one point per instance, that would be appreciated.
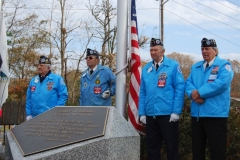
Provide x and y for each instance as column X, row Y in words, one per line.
column 159, row 129
column 213, row 130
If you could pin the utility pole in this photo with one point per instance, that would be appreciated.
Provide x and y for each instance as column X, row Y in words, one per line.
column 161, row 19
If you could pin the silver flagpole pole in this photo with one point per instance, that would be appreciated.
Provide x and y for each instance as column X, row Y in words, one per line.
column 0, row 16
column 121, row 59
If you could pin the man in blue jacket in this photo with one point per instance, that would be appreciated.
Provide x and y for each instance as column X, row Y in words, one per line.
column 160, row 102
column 45, row 90
column 208, row 86
column 98, row 82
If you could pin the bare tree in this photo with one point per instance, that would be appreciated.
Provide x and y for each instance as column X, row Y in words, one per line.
column 66, row 29
column 104, row 14
column 26, row 36
column 73, row 77
column 64, row 33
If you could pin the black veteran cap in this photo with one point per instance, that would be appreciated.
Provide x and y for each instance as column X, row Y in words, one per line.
column 44, row 60
column 91, row 52
column 155, row 42
column 208, row 43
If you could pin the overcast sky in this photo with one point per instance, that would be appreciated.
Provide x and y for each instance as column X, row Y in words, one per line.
column 186, row 22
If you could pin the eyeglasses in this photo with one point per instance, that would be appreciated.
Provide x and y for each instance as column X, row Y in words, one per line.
column 89, row 57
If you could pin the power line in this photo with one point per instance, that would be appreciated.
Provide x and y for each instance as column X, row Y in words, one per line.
column 202, row 28
column 146, row 8
column 75, row 9
column 201, row 13
column 233, row 3
column 216, row 10
column 206, row 15
column 46, row 8
column 175, row 15
column 227, row 6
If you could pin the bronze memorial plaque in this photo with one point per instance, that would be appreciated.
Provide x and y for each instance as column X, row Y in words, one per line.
column 60, row 126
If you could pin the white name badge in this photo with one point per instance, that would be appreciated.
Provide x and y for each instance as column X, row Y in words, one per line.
column 213, row 77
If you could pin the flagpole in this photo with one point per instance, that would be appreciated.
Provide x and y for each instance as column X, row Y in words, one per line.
column 129, row 28
column 1, row 15
column 121, row 58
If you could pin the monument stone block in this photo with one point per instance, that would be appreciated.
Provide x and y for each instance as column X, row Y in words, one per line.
column 58, row 127
column 120, row 141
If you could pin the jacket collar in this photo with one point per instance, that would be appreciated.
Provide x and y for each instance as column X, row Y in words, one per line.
column 166, row 62
column 216, row 62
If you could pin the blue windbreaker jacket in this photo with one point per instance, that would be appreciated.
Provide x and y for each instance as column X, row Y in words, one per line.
column 155, row 100
column 103, row 79
column 213, row 85
column 46, row 95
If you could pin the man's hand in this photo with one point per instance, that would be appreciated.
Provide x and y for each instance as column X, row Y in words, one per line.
column 143, row 119
column 195, row 95
column 199, row 100
column 106, row 94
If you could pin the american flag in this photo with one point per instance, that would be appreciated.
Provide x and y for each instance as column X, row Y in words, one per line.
column 134, row 86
